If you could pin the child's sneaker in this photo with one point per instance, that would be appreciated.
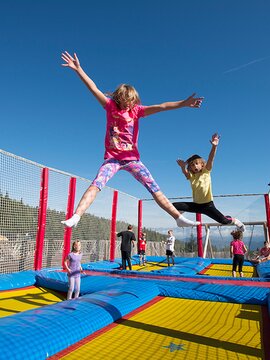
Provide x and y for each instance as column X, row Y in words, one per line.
column 184, row 222
column 73, row 221
column 240, row 226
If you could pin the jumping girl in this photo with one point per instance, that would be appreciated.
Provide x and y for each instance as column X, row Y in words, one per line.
column 123, row 112
column 197, row 171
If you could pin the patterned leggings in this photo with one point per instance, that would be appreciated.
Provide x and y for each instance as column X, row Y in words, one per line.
column 135, row 167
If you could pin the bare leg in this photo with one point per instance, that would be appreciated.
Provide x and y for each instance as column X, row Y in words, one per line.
column 86, row 200
column 166, row 205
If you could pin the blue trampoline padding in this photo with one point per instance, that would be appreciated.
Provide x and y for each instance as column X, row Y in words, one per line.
column 190, row 267
column 89, row 284
column 100, row 265
column 17, row 280
column 55, row 280
column 177, row 260
column 228, row 262
column 263, row 270
column 215, row 292
column 39, row 333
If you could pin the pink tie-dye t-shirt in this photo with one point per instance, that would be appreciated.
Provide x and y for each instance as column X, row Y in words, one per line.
column 238, row 247
column 122, row 130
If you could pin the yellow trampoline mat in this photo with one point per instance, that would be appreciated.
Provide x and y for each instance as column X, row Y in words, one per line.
column 16, row 301
column 215, row 270
column 149, row 266
column 226, row 270
column 181, row 329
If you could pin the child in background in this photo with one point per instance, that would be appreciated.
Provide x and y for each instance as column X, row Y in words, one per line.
column 142, row 248
column 128, row 240
column 170, row 247
column 123, row 112
column 74, row 269
column 237, row 250
column 264, row 254
column 197, row 171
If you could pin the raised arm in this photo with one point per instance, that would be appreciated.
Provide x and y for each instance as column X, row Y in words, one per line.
column 183, row 166
column 214, row 142
column 191, row 101
column 74, row 63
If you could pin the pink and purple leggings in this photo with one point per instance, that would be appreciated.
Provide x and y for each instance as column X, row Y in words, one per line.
column 135, row 167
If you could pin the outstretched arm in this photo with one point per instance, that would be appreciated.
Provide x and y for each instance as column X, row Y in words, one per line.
column 74, row 63
column 191, row 101
column 214, row 142
column 183, row 167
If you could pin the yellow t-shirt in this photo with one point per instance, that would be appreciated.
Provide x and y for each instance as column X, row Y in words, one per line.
column 201, row 186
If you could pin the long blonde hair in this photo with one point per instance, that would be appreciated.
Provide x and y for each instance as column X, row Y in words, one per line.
column 127, row 94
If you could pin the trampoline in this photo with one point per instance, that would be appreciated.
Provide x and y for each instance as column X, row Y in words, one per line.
column 194, row 310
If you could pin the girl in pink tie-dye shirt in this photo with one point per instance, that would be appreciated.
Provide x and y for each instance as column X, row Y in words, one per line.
column 237, row 250
column 123, row 111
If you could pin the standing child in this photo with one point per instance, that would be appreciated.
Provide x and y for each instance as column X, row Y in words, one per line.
column 142, row 248
column 128, row 238
column 197, row 171
column 237, row 250
column 123, row 112
column 74, row 269
column 170, row 247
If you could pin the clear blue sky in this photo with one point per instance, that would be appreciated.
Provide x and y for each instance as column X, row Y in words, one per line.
column 167, row 50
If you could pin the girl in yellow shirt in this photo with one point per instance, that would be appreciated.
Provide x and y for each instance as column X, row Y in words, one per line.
column 197, row 171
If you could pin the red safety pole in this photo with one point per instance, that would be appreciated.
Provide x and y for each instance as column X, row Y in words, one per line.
column 113, row 225
column 69, row 213
column 199, row 235
column 139, row 223
column 267, row 209
column 42, row 212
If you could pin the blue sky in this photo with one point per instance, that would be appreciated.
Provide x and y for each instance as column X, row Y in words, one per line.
column 167, row 50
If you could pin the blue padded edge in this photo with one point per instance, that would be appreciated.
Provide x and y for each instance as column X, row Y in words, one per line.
column 172, row 273
column 89, row 284
column 101, row 265
column 215, row 292
column 39, row 333
column 179, row 289
column 188, row 267
column 17, row 280
column 263, row 270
